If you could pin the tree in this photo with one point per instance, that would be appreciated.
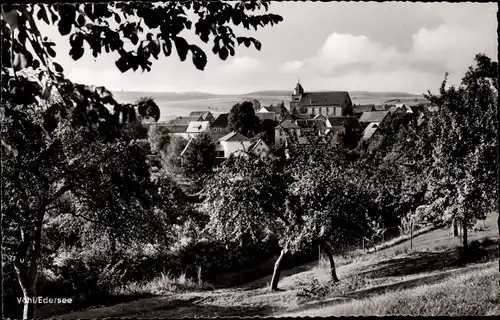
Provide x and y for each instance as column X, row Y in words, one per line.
column 463, row 147
column 159, row 137
column 87, row 109
column 242, row 119
column 267, row 127
column 149, row 29
column 198, row 160
column 104, row 183
column 307, row 202
column 256, row 105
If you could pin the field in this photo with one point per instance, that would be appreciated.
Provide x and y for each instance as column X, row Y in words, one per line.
column 435, row 279
column 181, row 104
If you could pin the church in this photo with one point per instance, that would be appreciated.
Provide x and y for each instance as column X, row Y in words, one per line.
column 328, row 104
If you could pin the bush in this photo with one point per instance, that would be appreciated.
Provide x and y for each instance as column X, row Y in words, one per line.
column 315, row 290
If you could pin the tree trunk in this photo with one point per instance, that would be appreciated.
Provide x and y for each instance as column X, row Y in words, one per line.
column 455, row 228
column 498, row 225
column 464, row 231
column 28, row 284
column 277, row 271
column 332, row 263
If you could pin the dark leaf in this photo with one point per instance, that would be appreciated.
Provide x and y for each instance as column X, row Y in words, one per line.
column 58, row 67
column 167, row 47
column 64, row 27
column 42, row 14
column 223, row 53
column 117, row 18
column 51, row 52
column 76, row 52
column 80, row 20
column 182, row 47
column 199, row 57
column 122, row 64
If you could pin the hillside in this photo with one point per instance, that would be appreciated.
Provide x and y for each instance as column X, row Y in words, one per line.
column 433, row 280
column 174, row 104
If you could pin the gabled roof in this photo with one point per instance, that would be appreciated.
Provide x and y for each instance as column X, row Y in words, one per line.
column 185, row 120
column 203, row 114
column 222, row 121
column 288, row 124
column 324, row 98
column 198, row 126
column 351, row 122
column 234, row 136
column 373, row 116
column 308, row 123
column 369, row 131
column 319, row 116
column 264, row 109
column 360, row 108
column 277, row 109
column 177, row 128
column 257, row 143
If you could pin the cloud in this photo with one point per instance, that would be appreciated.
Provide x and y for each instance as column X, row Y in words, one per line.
column 353, row 60
column 291, row 67
column 244, row 64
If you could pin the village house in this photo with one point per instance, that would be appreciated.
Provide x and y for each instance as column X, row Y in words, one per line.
column 358, row 109
column 343, row 125
column 276, row 113
column 232, row 144
column 184, row 120
column 281, row 130
column 205, row 115
column 369, row 131
column 220, row 127
column 331, row 103
column 377, row 117
column 197, row 127
column 178, row 130
column 260, row 148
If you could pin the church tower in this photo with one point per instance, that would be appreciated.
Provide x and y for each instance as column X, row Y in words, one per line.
column 296, row 96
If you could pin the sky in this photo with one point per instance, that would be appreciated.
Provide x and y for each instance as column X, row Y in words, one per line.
column 369, row 46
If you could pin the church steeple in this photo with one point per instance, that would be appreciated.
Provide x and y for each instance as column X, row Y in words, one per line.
column 298, row 89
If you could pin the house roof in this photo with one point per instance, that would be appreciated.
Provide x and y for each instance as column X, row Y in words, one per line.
column 234, row 136
column 288, row 124
column 360, row 108
column 177, row 128
column 309, row 123
column 380, row 108
column 186, row 147
column 350, row 121
column 319, row 116
column 203, row 114
column 222, row 121
column 185, row 120
column 373, row 116
column 256, row 143
column 324, row 98
column 198, row 126
column 369, row 131
column 293, row 117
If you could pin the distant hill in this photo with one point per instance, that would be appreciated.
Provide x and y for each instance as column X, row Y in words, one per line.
column 182, row 103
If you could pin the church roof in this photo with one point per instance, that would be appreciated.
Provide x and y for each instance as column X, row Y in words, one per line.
column 373, row 116
column 339, row 98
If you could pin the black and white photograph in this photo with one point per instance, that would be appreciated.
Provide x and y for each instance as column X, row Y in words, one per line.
column 222, row 159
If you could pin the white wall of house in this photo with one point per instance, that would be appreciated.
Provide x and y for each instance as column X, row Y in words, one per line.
column 231, row 147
